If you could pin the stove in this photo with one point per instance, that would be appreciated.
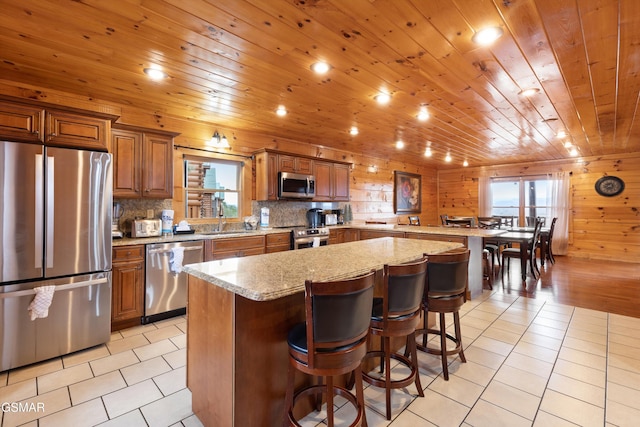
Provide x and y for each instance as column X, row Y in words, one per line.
column 305, row 237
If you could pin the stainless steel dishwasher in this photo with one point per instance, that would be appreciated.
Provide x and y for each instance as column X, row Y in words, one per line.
column 165, row 282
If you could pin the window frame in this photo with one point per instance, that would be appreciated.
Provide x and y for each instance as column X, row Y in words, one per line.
column 522, row 207
column 240, row 185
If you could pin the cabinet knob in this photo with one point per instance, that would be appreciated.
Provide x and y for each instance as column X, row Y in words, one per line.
column 36, row 132
column 54, row 134
column 147, row 190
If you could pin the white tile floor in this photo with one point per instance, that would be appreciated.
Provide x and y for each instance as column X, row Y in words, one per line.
column 529, row 362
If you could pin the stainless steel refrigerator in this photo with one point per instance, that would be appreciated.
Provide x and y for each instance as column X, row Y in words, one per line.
column 55, row 229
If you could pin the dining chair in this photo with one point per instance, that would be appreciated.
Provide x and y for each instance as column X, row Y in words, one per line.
column 452, row 222
column 509, row 253
column 443, row 219
column 491, row 222
column 445, row 292
column 397, row 314
column 548, row 253
column 331, row 341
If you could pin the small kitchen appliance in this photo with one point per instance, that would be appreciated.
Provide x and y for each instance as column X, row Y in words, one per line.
column 296, row 186
column 146, row 228
column 315, row 218
column 118, row 210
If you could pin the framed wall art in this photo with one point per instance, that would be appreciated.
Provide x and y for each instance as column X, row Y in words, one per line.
column 407, row 192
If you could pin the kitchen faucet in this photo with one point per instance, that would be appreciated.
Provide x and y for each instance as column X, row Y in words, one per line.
column 220, row 210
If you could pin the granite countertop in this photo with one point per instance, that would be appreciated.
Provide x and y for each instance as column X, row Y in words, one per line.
column 276, row 275
column 188, row 237
column 451, row 231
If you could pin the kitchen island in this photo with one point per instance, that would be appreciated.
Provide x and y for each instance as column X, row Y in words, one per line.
column 472, row 238
column 241, row 309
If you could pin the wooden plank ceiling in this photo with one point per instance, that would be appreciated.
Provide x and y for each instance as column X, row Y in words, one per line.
column 232, row 62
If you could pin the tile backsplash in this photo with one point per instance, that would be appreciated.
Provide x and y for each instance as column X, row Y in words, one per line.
column 282, row 213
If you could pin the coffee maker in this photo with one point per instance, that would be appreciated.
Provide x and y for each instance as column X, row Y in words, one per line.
column 118, row 210
column 315, row 218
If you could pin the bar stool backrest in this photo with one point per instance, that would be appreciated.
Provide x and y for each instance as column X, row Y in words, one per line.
column 338, row 313
column 447, row 273
column 404, row 285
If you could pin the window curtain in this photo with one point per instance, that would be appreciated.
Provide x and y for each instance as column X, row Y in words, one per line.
column 485, row 197
column 558, row 195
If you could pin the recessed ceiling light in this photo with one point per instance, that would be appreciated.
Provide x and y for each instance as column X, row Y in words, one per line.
column 465, row 163
column 561, row 134
column 530, row 91
column 281, row 111
column 155, row 73
column 447, row 158
column 567, row 144
column 427, row 152
column 423, row 114
column 573, row 152
column 320, row 67
column 399, row 144
column 382, row 98
column 488, row 35
column 354, row 130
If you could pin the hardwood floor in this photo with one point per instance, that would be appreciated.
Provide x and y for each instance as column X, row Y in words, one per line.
column 608, row 286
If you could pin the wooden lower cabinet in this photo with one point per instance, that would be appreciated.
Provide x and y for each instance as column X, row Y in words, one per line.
column 438, row 237
column 374, row 234
column 278, row 242
column 233, row 247
column 127, row 301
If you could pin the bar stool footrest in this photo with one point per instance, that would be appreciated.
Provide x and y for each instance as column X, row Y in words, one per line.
column 399, row 383
column 322, row 388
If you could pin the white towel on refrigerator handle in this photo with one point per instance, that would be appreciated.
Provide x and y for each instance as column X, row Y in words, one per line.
column 175, row 260
column 39, row 307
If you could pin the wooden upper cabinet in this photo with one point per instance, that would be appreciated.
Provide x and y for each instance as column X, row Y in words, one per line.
column 294, row 164
column 143, row 164
column 266, row 173
column 73, row 130
column 21, row 122
column 341, row 182
column 332, row 181
column 31, row 122
column 157, row 166
column 126, row 147
column 324, row 181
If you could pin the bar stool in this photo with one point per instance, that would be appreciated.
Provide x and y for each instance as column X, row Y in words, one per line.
column 445, row 293
column 332, row 341
column 397, row 314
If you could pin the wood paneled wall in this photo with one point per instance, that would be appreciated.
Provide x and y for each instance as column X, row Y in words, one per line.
column 371, row 189
column 599, row 227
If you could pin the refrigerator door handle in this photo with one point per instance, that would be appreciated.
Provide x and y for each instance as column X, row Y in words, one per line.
column 50, row 210
column 59, row 288
column 39, row 202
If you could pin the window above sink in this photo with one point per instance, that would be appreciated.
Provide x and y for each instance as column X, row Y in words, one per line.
column 208, row 180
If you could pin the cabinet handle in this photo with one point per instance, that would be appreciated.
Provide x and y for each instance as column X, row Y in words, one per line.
column 147, row 190
column 54, row 134
column 36, row 132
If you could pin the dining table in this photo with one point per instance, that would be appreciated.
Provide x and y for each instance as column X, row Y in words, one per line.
column 523, row 238
column 544, row 239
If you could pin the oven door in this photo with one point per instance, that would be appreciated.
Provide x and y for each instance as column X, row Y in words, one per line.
column 307, row 242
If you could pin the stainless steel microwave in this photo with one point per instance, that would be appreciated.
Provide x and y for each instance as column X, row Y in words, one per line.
column 296, row 186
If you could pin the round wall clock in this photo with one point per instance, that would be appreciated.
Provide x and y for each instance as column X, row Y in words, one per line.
column 609, row 186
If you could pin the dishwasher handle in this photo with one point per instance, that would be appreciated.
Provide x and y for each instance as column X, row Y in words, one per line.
column 168, row 251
